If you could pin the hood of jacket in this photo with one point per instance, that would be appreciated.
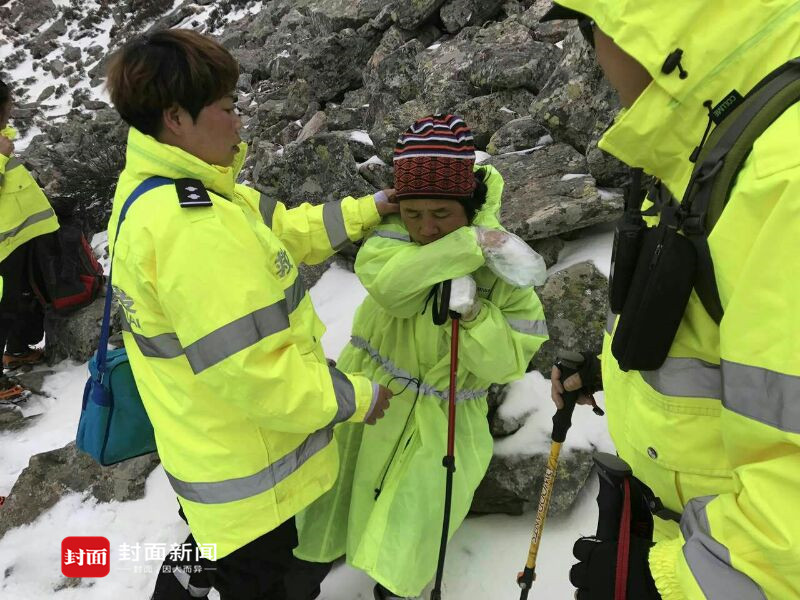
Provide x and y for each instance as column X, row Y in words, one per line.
column 727, row 45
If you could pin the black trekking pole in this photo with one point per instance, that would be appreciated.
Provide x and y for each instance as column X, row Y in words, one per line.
column 568, row 363
column 449, row 461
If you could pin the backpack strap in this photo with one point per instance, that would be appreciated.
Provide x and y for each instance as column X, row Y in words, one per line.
column 102, row 347
column 719, row 163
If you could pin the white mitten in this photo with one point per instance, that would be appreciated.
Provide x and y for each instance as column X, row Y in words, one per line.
column 464, row 297
column 510, row 258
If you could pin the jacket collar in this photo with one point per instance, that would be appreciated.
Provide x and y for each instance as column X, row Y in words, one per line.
column 146, row 157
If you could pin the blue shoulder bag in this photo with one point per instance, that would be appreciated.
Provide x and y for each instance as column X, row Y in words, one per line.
column 114, row 425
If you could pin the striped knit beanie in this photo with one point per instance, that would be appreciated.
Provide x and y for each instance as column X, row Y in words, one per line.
column 433, row 159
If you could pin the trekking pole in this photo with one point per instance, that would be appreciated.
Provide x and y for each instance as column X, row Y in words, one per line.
column 568, row 363
column 449, row 461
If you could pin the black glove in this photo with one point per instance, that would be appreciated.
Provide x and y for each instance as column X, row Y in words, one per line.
column 591, row 373
column 595, row 574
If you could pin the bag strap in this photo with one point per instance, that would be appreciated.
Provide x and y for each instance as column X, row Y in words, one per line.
column 719, row 163
column 102, row 348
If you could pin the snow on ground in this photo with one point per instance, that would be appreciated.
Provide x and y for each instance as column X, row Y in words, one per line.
column 483, row 557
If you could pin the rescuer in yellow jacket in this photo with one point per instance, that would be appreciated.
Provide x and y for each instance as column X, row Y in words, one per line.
column 715, row 431
column 25, row 213
column 222, row 337
column 385, row 511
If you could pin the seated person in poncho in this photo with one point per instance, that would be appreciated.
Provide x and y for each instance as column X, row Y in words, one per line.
column 385, row 511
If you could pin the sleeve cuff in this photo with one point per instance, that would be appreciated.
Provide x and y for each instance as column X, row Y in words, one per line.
column 365, row 398
column 664, row 568
column 369, row 212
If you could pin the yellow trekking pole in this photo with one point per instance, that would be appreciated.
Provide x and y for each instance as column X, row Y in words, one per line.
column 568, row 363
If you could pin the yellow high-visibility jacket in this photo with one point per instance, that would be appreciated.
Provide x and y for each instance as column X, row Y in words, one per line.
column 225, row 344
column 25, row 212
column 385, row 511
column 715, row 432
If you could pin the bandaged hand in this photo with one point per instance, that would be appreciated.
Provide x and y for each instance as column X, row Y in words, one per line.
column 464, row 298
column 510, row 258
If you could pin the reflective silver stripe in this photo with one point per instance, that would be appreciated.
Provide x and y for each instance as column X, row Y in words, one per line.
column 266, row 207
column 710, row 561
column 611, row 320
column 165, row 345
column 231, row 490
column 333, row 218
column 228, row 339
column 686, row 378
column 529, row 327
column 237, row 335
column 766, row 396
column 294, row 294
column 345, row 396
column 28, row 222
column 392, row 235
column 424, row 389
column 183, row 578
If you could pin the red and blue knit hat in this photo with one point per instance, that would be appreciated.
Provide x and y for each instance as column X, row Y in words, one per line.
column 433, row 159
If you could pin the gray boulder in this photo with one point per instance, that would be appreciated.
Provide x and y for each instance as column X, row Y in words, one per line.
column 52, row 474
column 548, row 193
column 76, row 335
column 486, row 114
column 518, row 134
column 11, row 417
column 29, row 16
column 507, row 57
column 575, row 303
column 577, row 105
column 549, row 249
column 352, row 13
column 457, row 14
column 410, row 14
column 512, row 483
column 319, row 169
column 390, row 120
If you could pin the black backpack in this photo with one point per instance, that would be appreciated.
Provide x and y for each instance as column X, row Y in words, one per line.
column 63, row 270
column 654, row 269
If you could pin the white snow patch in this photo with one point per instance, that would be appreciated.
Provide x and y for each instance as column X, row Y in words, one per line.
column 530, row 397
column 481, row 156
column 372, row 160
column 505, row 109
column 608, row 194
column 570, row 176
column 434, row 46
column 544, row 140
column 594, row 244
column 362, row 137
column 560, row 44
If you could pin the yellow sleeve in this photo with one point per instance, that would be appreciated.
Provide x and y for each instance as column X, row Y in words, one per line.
column 312, row 233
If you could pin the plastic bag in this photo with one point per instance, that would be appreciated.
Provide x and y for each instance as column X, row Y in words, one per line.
column 510, row 258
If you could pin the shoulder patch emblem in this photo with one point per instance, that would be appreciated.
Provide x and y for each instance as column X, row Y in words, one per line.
column 192, row 193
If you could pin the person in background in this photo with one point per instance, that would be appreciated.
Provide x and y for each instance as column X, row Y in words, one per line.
column 715, row 431
column 385, row 511
column 25, row 213
column 222, row 337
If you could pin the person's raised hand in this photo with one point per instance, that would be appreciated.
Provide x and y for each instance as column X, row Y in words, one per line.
column 386, row 202
column 381, row 406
